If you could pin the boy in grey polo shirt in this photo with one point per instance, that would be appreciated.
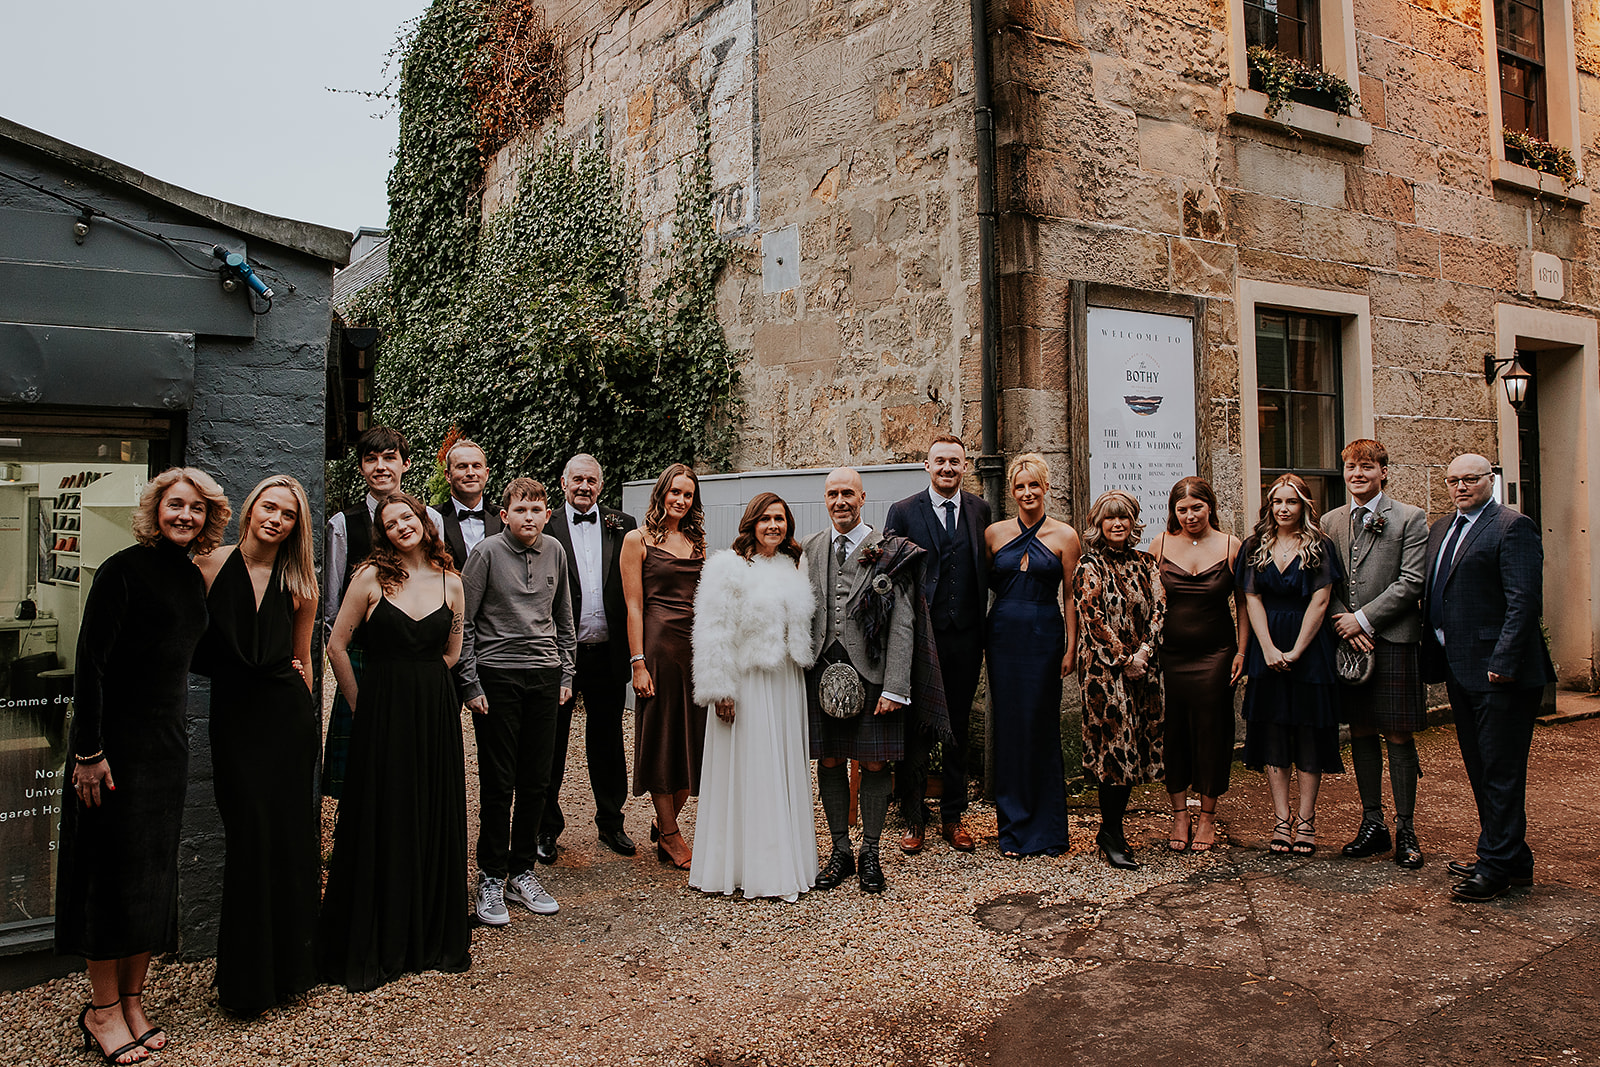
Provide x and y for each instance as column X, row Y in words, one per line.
column 517, row 651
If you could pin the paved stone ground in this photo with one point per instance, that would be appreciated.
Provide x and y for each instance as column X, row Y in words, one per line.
column 1234, row 958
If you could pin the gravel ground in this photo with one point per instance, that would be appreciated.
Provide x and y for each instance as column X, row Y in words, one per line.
column 639, row 969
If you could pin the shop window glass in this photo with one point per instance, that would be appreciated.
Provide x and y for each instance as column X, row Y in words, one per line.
column 66, row 504
column 1299, row 381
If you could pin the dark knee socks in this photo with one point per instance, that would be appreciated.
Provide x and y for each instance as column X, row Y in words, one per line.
column 875, row 788
column 1367, row 755
column 1404, row 770
column 1113, row 805
column 833, row 787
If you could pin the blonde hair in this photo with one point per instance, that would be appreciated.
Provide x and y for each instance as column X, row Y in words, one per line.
column 299, row 575
column 1113, row 504
column 1267, row 527
column 147, row 525
column 1028, row 463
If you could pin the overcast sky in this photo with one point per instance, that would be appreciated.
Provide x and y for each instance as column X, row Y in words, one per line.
column 226, row 99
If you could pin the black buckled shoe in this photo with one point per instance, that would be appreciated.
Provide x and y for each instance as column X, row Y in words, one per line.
column 1407, row 849
column 871, row 873
column 840, row 865
column 1371, row 839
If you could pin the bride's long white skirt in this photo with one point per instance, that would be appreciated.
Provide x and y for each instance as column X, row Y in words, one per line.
column 755, row 827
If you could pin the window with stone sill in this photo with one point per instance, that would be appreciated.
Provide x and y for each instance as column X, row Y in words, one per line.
column 1319, row 33
column 1530, row 59
column 1300, row 401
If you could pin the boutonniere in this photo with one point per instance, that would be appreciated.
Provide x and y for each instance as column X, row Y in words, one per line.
column 1374, row 524
column 872, row 553
column 611, row 520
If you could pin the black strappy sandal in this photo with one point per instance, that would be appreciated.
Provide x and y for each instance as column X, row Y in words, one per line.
column 1280, row 844
column 1304, row 828
column 144, row 1038
column 92, row 1043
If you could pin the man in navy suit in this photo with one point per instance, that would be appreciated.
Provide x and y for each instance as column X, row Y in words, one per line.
column 949, row 522
column 1481, row 637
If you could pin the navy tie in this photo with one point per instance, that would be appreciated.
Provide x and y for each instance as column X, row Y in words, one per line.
column 949, row 517
column 1442, row 571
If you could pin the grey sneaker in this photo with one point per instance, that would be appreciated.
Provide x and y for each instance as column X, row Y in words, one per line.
column 491, row 907
column 525, row 889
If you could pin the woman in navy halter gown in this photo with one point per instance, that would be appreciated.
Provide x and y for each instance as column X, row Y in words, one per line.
column 1032, row 646
column 397, row 883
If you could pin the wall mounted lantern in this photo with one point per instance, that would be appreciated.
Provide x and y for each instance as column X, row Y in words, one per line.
column 1513, row 375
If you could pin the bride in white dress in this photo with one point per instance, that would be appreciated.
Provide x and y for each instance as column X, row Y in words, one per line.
column 755, row 828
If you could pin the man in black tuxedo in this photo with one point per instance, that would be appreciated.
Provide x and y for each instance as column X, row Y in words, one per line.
column 592, row 536
column 1481, row 637
column 466, row 520
column 949, row 522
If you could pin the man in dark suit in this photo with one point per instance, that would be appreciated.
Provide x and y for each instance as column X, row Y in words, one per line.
column 466, row 520
column 1481, row 608
column 949, row 523
column 592, row 536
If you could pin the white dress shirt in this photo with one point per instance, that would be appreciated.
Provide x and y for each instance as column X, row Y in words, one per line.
column 471, row 529
column 940, row 501
column 586, row 552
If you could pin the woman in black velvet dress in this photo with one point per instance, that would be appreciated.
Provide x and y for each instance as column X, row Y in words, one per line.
column 117, row 882
column 397, row 882
column 264, row 737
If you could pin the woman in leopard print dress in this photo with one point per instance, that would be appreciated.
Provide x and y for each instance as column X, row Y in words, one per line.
column 1121, row 608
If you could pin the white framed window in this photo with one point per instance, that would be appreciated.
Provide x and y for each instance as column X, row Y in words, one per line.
column 1319, row 33
column 1530, row 67
column 1305, row 384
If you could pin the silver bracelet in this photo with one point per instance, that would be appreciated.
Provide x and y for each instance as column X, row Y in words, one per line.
column 635, row 659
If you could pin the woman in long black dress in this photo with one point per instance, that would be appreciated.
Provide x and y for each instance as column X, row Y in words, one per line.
column 117, row 883
column 1202, row 655
column 1033, row 645
column 1286, row 570
column 397, row 882
column 264, row 736
column 660, row 572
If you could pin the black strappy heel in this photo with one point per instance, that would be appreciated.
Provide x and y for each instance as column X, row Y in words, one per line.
column 92, row 1043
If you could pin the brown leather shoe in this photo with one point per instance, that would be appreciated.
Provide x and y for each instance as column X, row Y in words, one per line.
column 911, row 844
column 958, row 837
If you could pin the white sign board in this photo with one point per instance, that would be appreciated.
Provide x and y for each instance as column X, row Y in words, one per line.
column 1549, row 279
column 1141, row 406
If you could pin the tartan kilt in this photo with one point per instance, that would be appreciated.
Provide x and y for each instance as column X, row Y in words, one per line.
column 866, row 737
column 1394, row 700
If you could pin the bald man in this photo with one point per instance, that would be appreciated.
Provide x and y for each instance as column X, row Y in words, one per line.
column 1480, row 633
column 839, row 561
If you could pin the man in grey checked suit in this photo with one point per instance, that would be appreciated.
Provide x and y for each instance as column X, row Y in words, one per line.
column 839, row 563
column 1378, row 608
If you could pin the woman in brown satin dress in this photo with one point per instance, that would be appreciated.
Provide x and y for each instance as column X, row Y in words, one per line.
column 660, row 574
column 1202, row 651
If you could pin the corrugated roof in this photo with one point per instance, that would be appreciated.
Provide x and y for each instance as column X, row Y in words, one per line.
column 370, row 268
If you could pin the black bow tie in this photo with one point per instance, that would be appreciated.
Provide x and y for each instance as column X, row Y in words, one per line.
column 587, row 516
column 465, row 514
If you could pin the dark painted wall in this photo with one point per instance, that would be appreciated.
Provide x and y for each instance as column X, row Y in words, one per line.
column 257, row 406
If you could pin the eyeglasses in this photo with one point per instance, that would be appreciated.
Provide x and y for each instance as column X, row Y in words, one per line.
column 1468, row 480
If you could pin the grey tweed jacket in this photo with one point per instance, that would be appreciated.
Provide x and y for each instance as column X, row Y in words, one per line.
column 1384, row 571
column 893, row 667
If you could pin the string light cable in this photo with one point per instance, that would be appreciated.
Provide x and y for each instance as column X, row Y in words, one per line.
column 217, row 267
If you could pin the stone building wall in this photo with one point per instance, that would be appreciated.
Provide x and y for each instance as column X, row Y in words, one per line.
column 852, row 122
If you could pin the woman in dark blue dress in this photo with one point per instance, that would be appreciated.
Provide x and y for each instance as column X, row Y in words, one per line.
column 397, row 882
column 1286, row 570
column 1032, row 646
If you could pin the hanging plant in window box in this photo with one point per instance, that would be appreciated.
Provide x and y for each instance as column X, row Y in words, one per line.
column 1526, row 150
column 1286, row 80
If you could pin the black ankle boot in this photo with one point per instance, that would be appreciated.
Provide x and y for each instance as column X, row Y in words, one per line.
column 1117, row 852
